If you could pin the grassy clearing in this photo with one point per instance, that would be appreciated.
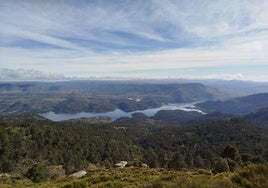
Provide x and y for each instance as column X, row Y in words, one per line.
column 250, row 176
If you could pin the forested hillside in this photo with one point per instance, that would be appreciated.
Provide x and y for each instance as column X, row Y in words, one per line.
column 259, row 118
column 176, row 145
column 238, row 106
column 31, row 139
column 97, row 96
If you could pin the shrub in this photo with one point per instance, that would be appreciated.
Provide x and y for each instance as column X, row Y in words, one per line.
column 232, row 153
column 221, row 166
column 7, row 166
column 38, row 173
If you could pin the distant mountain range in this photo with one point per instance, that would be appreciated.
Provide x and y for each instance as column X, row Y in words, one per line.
column 97, row 96
column 231, row 88
column 103, row 96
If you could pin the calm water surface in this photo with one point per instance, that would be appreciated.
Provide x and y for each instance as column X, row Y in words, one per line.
column 119, row 113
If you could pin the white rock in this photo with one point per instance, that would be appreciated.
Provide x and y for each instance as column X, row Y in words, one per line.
column 79, row 174
column 121, row 164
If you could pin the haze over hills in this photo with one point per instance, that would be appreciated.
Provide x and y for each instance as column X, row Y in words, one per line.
column 237, row 106
column 230, row 87
column 233, row 87
column 97, row 96
column 103, row 96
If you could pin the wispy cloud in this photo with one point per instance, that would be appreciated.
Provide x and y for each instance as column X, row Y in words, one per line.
column 113, row 37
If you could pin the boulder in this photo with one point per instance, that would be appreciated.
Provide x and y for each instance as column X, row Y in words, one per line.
column 79, row 174
column 121, row 164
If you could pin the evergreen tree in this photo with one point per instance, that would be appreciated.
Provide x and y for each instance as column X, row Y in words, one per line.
column 221, row 166
column 177, row 162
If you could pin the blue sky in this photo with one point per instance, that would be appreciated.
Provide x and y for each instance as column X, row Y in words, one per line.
column 142, row 39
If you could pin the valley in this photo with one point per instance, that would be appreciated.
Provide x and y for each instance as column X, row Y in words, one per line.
column 118, row 113
column 133, row 94
column 138, row 124
column 97, row 96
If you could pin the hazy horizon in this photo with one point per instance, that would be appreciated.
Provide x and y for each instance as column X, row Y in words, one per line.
column 134, row 39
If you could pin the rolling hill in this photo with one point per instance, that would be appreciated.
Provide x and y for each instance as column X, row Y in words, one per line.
column 259, row 118
column 237, row 106
column 96, row 96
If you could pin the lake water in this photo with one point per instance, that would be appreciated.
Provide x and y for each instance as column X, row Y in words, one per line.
column 119, row 113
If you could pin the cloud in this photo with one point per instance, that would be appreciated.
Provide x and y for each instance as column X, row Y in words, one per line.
column 28, row 75
column 110, row 38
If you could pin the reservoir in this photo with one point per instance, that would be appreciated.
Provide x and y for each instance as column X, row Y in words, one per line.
column 120, row 113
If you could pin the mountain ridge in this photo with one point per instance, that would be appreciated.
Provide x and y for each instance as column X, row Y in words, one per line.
column 237, row 106
column 97, row 96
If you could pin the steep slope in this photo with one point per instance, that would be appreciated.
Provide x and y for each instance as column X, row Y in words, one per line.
column 238, row 106
column 260, row 117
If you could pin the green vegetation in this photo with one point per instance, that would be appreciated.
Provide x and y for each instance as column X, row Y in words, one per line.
column 38, row 173
column 96, row 96
column 252, row 176
column 26, row 140
column 238, row 106
column 259, row 118
column 179, row 117
column 182, row 149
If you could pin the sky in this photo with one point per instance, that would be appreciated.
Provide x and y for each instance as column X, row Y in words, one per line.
column 219, row 39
